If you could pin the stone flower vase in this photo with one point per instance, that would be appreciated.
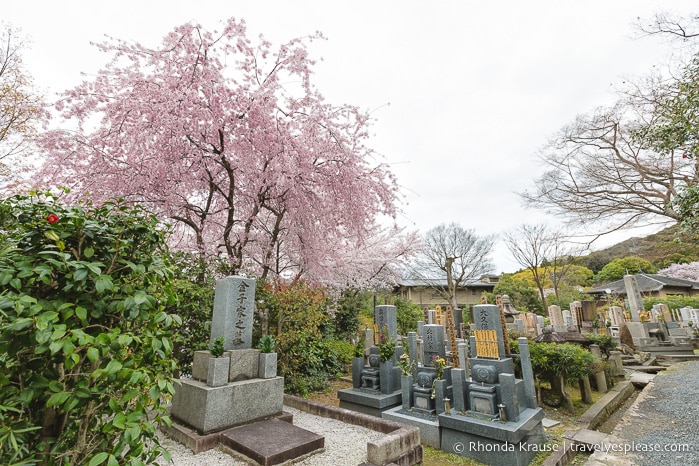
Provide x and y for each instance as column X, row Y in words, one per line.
column 440, row 386
column 267, row 365
column 357, row 367
column 406, row 386
column 386, row 373
column 217, row 373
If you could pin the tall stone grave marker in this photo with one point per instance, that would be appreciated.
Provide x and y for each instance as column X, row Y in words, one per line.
column 616, row 315
column 234, row 303
column 385, row 315
column 589, row 312
column 576, row 312
column 567, row 318
column 665, row 312
column 487, row 317
column 634, row 296
column 432, row 343
column 556, row 316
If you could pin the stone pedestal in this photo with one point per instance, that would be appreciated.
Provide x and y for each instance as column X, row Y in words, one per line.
column 217, row 373
column 267, row 365
column 209, row 409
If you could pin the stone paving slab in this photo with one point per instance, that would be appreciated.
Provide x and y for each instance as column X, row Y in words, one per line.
column 272, row 442
column 548, row 423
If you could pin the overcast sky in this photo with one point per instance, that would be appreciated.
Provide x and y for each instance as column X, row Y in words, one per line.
column 463, row 93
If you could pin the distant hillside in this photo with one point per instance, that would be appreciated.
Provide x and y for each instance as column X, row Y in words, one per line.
column 666, row 247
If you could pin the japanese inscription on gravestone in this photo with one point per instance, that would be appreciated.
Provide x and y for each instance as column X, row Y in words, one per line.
column 385, row 315
column 488, row 318
column 433, row 343
column 233, row 312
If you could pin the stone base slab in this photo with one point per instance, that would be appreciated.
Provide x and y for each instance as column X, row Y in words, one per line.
column 657, row 350
column 272, row 442
column 198, row 442
column 369, row 402
column 429, row 429
column 494, row 443
column 210, row 409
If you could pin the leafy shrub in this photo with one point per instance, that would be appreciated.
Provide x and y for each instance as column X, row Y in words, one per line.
column 558, row 363
column 606, row 342
column 673, row 302
column 84, row 343
column 407, row 315
column 346, row 316
column 523, row 296
column 194, row 290
column 296, row 312
column 343, row 351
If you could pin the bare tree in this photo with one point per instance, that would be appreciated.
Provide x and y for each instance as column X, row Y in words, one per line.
column 677, row 27
column 454, row 253
column 543, row 251
column 602, row 170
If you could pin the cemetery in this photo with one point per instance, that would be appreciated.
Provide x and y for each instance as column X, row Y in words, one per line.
column 204, row 261
column 481, row 385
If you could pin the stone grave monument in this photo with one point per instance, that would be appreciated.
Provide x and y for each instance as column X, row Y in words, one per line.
column 495, row 415
column 229, row 398
column 426, row 392
column 480, row 411
column 660, row 336
column 556, row 318
column 376, row 383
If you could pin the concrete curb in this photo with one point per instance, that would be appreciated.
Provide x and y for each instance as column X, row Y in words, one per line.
column 590, row 420
column 605, row 406
column 400, row 446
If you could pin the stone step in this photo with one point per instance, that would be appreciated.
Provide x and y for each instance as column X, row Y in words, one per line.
column 651, row 369
column 640, row 379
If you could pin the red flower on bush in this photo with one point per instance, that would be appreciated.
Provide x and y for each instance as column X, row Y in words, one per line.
column 52, row 219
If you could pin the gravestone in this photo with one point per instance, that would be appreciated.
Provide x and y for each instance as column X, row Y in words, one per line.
column 420, row 325
column 556, row 316
column 690, row 315
column 520, row 325
column 540, row 322
column 211, row 407
column 665, row 311
column 487, row 317
column 576, row 312
column 568, row 318
column 616, row 316
column 412, row 351
column 386, row 316
column 234, row 303
column 432, row 343
column 638, row 332
column 633, row 294
column 533, row 323
column 431, row 317
column 589, row 311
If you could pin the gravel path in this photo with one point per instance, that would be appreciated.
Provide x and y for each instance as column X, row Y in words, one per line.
column 345, row 444
column 662, row 426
